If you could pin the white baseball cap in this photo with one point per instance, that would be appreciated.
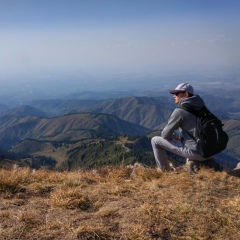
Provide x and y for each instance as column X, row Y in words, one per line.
column 183, row 87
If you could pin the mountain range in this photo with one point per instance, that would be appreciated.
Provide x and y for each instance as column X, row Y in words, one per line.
column 145, row 111
column 91, row 129
column 72, row 127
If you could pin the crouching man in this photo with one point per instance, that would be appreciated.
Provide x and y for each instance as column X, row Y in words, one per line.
column 185, row 123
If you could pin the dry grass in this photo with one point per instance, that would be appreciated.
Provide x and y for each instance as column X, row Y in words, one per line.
column 117, row 203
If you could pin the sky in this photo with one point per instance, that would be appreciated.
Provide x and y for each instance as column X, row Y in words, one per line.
column 40, row 38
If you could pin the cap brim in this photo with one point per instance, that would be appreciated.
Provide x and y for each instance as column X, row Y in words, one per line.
column 174, row 91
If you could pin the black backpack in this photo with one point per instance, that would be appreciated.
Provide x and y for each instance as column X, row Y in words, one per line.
column 211, row 138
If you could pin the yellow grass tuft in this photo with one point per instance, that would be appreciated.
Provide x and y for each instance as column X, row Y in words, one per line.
column 88, row 232
column 70, row 198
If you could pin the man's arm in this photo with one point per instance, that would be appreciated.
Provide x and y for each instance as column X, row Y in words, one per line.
column 174, row 122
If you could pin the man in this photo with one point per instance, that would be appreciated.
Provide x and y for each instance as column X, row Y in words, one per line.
column 180, row 143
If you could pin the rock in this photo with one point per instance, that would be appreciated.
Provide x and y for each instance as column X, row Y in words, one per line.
column 137, row 168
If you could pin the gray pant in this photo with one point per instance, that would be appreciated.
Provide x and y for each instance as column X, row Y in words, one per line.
column 161, row 145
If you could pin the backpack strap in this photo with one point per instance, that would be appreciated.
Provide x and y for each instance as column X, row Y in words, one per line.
column 191, row 135
column 195, row 112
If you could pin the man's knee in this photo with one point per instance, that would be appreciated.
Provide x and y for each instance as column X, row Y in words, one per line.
column 153, row 140
column 156, row 140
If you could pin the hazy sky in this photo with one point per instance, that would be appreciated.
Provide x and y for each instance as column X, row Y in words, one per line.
column 44, row 37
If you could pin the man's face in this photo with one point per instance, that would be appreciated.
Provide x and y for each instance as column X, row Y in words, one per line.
column 179, row 95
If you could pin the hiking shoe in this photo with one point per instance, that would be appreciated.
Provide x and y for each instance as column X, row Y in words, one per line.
column 211, row 163
column 191, row 166
column 235, row 172
column 194, row 166
column 166, row 169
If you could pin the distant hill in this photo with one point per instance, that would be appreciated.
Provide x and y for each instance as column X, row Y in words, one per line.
column 148, row 112
column 144, row 111
column 25, row 110
column 59, row 107
column 3, row 109
column 71, row 127
column 86, row 153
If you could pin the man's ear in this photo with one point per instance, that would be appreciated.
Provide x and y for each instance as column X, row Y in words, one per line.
column 186, row 94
